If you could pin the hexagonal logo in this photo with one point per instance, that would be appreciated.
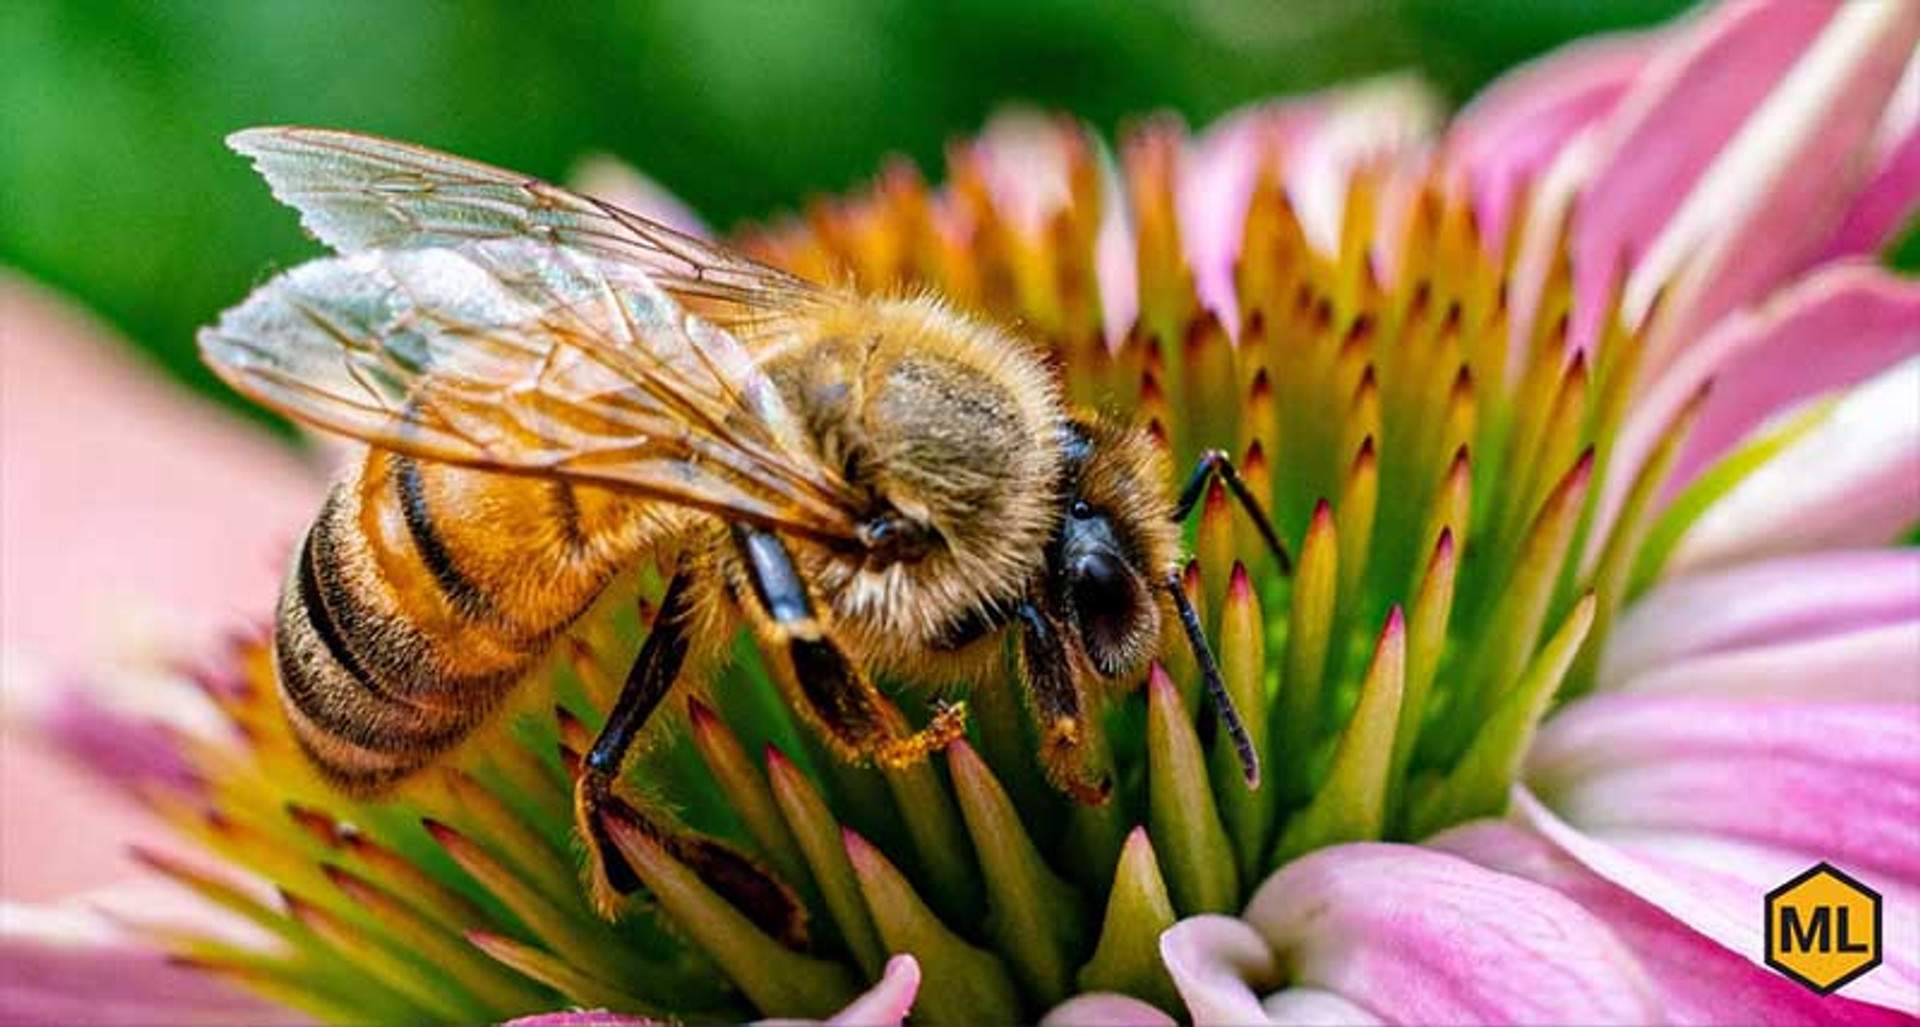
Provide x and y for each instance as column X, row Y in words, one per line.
column 1823, row 929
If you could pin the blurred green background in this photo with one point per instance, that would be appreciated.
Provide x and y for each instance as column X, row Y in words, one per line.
column 119, row 193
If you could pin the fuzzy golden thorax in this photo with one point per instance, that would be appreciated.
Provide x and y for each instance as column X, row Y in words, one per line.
column 946, row 425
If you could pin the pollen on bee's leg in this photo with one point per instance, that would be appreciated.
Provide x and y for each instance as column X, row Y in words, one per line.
column 943, row 730
column 1063, row 755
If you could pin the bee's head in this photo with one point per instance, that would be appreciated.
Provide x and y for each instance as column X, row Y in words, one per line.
column 1115, row 541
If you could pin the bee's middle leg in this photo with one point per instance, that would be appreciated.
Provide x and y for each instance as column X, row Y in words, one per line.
column 734, row 875
column 858, row 720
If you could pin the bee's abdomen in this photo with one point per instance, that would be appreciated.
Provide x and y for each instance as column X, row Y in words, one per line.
column 420, row 595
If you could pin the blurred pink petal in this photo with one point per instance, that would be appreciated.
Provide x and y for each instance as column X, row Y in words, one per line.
column 1852, row 480
column 1505, row 139
column 78, row 828
column 1720, row 899
column 1699, row 981
column 1836, row 328
column 1892, row 194
column 1023, row 158
column 1423, row 937
column 125, row 749
column 1708, row 81
column 1833, row 778
column 103, row 457
column 1105, row 1009
column 619, row 183
column 1770, row 199
column 1365, row 125
column 1540, row 244
column 71, row 965
column 1222, row 169
column 1113, row 260
column 1220, row 965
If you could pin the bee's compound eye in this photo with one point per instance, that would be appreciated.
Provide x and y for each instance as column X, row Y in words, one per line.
column 1081, row 510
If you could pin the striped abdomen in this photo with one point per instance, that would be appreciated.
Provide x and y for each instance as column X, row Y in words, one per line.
column 422, row 594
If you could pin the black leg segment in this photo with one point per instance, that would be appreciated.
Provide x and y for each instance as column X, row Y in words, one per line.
column 1216, row 686
column 859, row 720
column 648, row 681
column 1215, row 461
column 764, row 899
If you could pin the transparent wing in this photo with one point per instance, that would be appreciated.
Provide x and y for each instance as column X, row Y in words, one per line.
column 514, row 355
column 358, row 192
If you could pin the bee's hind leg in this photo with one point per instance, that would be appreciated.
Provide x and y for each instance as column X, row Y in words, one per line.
column 763, row 898
column 858, row 720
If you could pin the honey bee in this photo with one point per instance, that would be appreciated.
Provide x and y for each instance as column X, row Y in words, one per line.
column 554, row 389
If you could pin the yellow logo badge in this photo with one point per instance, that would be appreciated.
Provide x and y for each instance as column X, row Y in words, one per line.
column 1823, row 929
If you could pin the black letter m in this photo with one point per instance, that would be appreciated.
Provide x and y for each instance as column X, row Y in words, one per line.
column 1810, row 937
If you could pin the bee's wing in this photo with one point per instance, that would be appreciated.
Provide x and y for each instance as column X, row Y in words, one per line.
column 359, row 192
column 515, row 355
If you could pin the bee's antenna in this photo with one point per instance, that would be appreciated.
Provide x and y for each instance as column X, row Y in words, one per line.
column 1216, row 686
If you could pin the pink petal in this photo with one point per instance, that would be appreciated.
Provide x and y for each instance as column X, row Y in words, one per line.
column 79, row 829
column 103, row 457
column 1772, row 602
column 582, row 1017
column 125, row 749
column 1841, row 779
column 1699, row 981
column 1365, row 125
column 1114, row 265
column 125, row 723
column 1722, row 902
column 1311, row 1006
column 1423, row 937
column 67, row 965
column 1403, row 186
column 1221, row 171
column 1892, row 192
column 887, row 1002
column 1024, row 160
column 1548, row 208
column 1690, row 101
column 1773, row 196
column 1104, row 1009
column 1217, row 963
column 1835, row 329
column 619, row 183
column 1506, row 138
column 1875, row 664
column 1852, row 480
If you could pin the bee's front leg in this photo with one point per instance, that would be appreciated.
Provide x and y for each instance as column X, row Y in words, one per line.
column 1051, row 686
column 743, row 882
column 857, row 719
column 1215, row 461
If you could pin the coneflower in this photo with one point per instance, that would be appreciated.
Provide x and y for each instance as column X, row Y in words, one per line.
column 1587, row 429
